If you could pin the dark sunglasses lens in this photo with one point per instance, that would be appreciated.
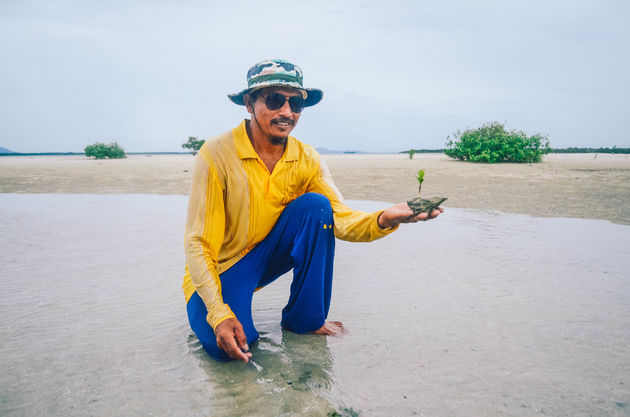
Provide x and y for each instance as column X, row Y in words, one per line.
column 276, row 100
column 297, row 104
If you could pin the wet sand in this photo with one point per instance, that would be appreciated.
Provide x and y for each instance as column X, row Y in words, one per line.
column 590, row 186
column 473, row 314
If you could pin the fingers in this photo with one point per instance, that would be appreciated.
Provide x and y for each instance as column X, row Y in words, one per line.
column 232, row 339
column 436, row 212
column 405, row 214
column 241, row 339
column 419, row 217
column 231, row 347
column 426, row 216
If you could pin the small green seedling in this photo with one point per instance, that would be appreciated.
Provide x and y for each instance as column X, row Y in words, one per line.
column 424, row 205
column 420, row 179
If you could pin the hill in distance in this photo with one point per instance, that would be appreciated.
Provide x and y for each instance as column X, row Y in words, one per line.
column 5, row 150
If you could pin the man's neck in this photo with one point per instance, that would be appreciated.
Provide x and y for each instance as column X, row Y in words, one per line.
column 269, row 149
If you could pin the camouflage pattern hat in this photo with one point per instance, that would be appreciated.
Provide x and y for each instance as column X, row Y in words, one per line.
column 274, row 73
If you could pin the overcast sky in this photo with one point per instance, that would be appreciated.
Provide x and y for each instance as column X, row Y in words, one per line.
column 395, row 75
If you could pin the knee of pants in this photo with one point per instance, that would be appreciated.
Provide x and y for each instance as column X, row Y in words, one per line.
column 314, row 202
column 197, row 318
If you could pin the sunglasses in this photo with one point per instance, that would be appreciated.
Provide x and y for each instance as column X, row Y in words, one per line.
column 275, row 101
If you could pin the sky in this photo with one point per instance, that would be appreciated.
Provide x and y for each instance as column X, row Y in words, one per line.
column 396, row 75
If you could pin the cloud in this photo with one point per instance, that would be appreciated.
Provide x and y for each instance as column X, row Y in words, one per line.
column 395, row 75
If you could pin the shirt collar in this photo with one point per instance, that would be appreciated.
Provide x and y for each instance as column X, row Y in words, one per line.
column 245, row 150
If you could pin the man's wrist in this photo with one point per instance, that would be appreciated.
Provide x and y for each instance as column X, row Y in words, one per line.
column 381, row 223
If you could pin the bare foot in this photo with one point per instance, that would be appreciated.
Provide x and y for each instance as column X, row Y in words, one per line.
column 331, row 328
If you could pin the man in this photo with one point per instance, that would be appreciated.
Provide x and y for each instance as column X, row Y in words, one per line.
column 263, row 203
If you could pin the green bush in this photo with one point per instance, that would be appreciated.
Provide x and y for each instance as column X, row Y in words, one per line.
column 193, row 144
column 492, row 143
column 105, row 150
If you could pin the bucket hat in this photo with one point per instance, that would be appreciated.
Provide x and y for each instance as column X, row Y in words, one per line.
column 276, row 73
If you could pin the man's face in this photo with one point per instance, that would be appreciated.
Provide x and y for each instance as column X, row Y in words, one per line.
column 275, row 124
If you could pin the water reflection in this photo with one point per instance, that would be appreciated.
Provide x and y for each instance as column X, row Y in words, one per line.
column 294, row 377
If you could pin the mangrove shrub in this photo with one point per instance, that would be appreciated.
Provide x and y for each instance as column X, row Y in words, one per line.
column 101, row 150
column 492, row 143
column 193, row 144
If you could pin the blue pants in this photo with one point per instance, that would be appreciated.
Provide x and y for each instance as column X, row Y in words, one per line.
column 301, row 239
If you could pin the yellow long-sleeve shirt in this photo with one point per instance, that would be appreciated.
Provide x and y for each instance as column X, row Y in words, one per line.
column 235, row 202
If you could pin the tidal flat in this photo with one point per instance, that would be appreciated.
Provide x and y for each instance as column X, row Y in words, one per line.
column 478, row 312
column 588, row 186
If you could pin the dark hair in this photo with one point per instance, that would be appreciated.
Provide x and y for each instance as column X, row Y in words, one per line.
column 253, row 96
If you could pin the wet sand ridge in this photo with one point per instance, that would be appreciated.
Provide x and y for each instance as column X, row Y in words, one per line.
column 591, row 186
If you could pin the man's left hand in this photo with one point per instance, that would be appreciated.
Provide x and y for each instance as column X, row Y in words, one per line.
column 401, row 213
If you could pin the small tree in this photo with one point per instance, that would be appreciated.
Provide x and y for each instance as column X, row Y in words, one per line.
column 101, row 150
column 411, row 152
column 193, row 144
column 492, row 143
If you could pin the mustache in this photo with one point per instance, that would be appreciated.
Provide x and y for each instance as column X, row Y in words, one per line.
column 283, row 119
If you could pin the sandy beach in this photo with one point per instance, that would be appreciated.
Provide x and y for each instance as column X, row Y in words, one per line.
column 590, row 186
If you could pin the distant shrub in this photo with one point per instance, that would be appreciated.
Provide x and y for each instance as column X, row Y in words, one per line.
column 492, row 143
column 193, row 144
column 105, row 150
column 614, row 149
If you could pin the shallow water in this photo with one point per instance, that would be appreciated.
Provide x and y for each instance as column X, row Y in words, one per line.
column 473, row 314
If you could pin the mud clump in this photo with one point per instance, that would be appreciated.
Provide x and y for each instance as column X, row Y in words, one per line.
column 425, row 205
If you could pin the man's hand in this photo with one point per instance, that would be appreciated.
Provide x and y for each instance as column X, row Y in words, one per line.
column 231, row 338
column 401, row 213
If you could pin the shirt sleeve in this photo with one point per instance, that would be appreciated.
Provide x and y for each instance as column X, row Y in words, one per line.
column 205, row 227
column 351, row 225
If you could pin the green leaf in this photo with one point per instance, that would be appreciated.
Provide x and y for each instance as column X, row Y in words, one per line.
column 420, row 176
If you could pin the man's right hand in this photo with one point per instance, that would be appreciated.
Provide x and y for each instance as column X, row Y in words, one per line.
column 231, row 338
